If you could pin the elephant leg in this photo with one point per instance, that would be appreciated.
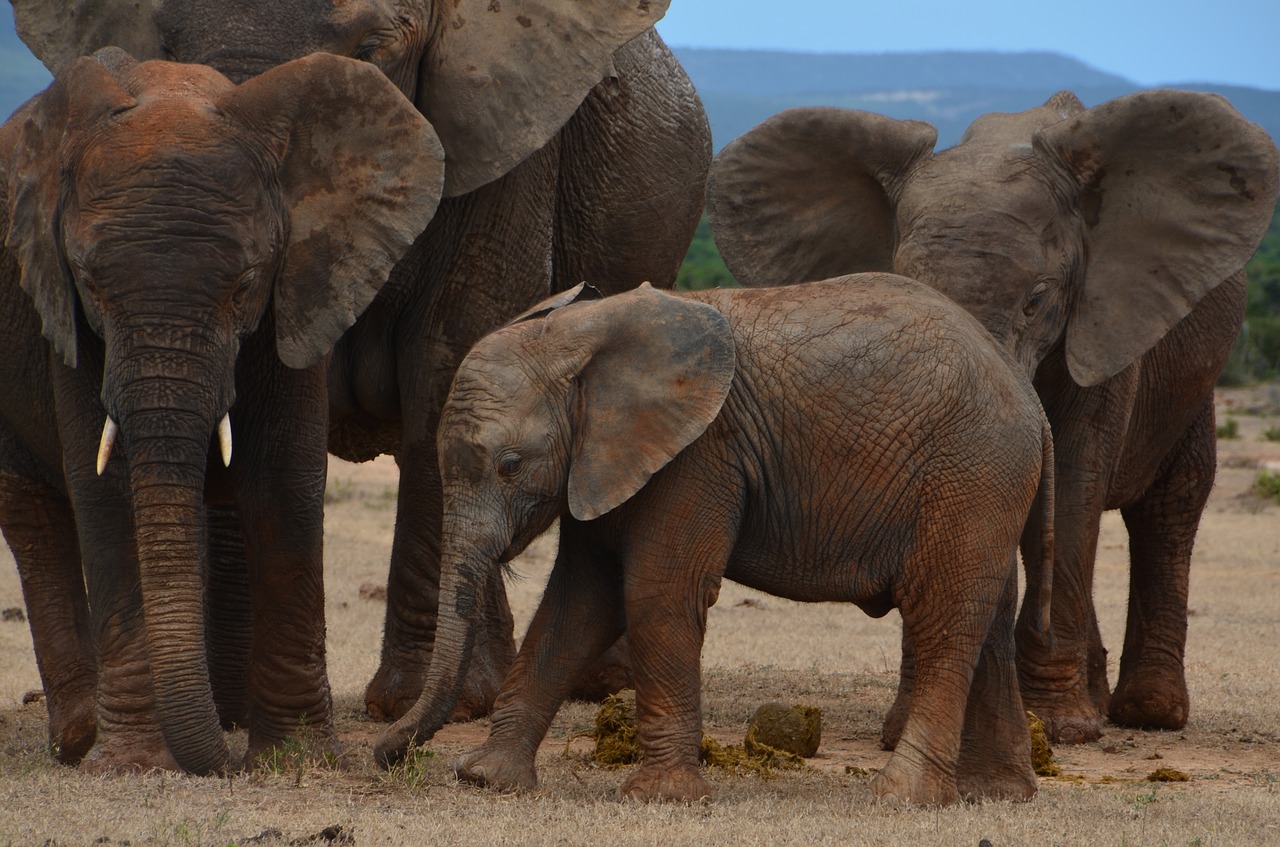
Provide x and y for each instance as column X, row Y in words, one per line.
column 1063, row 676
column 41, row 532
column 948, row 645
column 1152, row 688
column 129, row 735
column 891, row 730
column 228, row 617
column 995, row 747
column 277, row 471
column 580, row 615
column 485, row 258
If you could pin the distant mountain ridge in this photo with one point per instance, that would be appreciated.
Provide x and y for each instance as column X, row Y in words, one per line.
column 948, row 89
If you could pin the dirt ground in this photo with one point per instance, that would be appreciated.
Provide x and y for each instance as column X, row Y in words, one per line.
column 758, row 648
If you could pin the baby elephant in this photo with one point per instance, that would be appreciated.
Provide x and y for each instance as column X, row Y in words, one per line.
column 857, row 439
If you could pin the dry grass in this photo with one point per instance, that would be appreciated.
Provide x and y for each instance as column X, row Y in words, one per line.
column 758, row 648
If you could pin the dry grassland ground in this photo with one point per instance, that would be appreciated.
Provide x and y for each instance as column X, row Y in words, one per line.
column 758, row 648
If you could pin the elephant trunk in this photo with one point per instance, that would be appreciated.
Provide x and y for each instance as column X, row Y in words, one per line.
column 457, row 626
column 167, row 428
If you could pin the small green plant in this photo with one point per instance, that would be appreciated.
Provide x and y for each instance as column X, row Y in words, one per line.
column 411, row 771
column 1230, row 428
column 1271, row 433
column 1268, row 485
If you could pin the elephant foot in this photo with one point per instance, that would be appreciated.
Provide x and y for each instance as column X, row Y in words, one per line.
column 610, row 674
column 495, row 770
column 1064, row 704
column 905, row 783
column 998, row 781
column 1069, row 728
column 392, row 692
column 658, row 783
column 129, row 753
column 1150, row 701
column 72, row 730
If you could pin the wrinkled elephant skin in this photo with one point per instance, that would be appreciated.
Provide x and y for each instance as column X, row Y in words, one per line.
column 564, row 165
column 180, row 255
column 759, row 436
column 1103, row 248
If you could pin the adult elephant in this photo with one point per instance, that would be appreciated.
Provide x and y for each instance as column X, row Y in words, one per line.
column 1104, row 249
column 180, row 255
column 576, row 149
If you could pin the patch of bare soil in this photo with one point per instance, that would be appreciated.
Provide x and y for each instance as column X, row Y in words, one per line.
column 758, row 648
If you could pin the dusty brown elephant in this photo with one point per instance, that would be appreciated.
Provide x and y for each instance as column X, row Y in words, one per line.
column 1103, row 248
column 576, row 149
column 859, row 440
column 180, row 255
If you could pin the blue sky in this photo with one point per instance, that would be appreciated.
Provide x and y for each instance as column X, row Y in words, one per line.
column 1215, row 41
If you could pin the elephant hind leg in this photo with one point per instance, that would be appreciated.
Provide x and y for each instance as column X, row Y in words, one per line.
column 41, row 531
column 1152, row 689
column 995, row 748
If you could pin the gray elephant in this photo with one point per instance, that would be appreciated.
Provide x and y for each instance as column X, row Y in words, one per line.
column 859, row 440
column 1103, row 248
column 577, row 149
column 180, row 255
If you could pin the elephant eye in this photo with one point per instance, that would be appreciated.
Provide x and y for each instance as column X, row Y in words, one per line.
column 365, row 50
column 1035, row 299
column 509, row 465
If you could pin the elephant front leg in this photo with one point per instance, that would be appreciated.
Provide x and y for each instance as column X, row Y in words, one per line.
column 1152, row 688
column 580, row 615
column 41, row 532
column 278, row 474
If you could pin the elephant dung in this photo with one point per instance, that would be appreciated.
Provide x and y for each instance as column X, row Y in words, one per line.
column 776, row 727
column 1041, row 753
column 615, row 734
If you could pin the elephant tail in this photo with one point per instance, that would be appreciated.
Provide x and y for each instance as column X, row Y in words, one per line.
column 1045, row 505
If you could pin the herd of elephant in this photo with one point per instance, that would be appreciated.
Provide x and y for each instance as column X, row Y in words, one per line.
column 239, row 236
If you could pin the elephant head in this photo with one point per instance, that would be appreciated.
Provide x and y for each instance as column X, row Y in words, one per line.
column 171, row 214
column 568, row 410
column 1095, row 228
column 497, row 78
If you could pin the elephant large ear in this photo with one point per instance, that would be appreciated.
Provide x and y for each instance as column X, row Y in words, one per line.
column 1177, row 190
column 33, row 156
column 502, row 76
column 361, row 171
column 808, row 194
column 657, row 372
column 58, row 31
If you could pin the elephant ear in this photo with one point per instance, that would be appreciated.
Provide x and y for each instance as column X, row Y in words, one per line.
column 808, row 194
column 1177, row 190
column 33, row 151
column 580, row 293
column 58, row 31
column 657, row 371
column 501, row 77
column 361, row 172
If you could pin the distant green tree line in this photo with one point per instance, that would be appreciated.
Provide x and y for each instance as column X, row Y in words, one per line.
column 1257, row 352
column 1256, row 355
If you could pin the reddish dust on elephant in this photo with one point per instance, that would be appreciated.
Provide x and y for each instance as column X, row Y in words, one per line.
column 859, row 439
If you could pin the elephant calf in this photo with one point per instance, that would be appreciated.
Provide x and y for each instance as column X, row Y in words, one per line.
column 857, row 439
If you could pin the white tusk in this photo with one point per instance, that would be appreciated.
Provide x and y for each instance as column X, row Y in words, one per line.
column 109, row 431
column 224, row 439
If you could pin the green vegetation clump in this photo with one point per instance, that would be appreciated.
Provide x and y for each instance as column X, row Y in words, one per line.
column 1271, row 433
column 1228, row 429
column 1268, row 485
column 702, row 267
column 1256, row 355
